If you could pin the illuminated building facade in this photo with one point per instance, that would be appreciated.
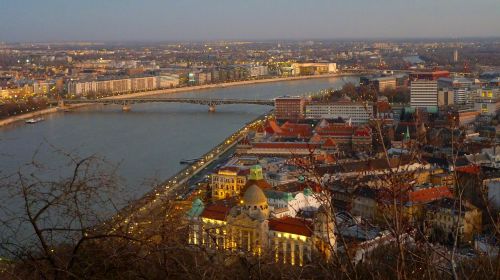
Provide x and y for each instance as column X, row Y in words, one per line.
column 228, row 182
column 313, row 68
column 249, row 227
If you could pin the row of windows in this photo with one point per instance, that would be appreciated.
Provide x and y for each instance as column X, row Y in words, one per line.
column 226, row 187
column 227, row 180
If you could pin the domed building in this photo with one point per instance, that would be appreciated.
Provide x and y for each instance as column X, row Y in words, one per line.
column 248, row 226
column 254, row 203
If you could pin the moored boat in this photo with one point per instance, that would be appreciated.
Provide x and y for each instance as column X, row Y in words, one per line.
column 35, row 120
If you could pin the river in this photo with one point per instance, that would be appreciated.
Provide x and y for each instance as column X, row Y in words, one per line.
column 148, row 142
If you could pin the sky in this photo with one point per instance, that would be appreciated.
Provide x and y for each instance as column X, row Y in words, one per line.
column 198, row 20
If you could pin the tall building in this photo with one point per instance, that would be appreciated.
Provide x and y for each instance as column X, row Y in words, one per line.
column 446, row 97
column 462, row 95
column 385, row 83
column 461, row 87
column 423, row 94
column 289, row 108
column 455, row 56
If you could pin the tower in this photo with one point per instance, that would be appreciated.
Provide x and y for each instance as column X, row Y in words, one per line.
column 455, row 56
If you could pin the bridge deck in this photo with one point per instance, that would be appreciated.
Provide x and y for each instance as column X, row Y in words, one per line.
column 201, row 101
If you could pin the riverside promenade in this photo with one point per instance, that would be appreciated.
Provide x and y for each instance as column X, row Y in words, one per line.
column 225, row 85
column 34, row 114
column 23, row 117
column 170, row 188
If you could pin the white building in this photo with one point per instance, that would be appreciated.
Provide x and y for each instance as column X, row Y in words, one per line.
column 112, row 86
column 283, row 203
column 423, row 93
column 258, row 71
column 493, row 189
column 313, row 68
column 487, row 94
column 489, row 108
column 168, row 80
column 42, row 87
column 356, row 112
column 462, row 95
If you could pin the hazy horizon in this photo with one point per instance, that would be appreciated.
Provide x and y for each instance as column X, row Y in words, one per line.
column 196, row 20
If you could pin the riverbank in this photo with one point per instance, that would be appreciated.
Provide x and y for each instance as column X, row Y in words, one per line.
column 177, row 187
column 35, row 114
column 30, row 115
column 226, row 85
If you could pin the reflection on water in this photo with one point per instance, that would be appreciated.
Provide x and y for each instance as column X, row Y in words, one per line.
column 149, row 141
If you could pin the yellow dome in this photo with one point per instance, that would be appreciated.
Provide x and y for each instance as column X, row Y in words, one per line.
column 254, row 196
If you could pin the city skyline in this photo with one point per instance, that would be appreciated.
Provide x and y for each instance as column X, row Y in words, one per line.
column 195, row 20
column 226, row 139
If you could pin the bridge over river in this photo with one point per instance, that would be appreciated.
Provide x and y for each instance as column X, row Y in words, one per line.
column 127, row 102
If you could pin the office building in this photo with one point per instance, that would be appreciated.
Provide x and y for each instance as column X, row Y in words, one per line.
column 446, row 97
column 384, row 83
column 423, row 94
column 355, row 112
column 289, row 108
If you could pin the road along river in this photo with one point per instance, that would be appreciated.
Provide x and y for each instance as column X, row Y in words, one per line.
column 149, row 141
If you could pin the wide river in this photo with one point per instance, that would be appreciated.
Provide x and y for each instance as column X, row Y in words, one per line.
column 148, row 142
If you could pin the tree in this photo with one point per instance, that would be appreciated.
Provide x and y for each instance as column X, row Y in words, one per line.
column 48, row 219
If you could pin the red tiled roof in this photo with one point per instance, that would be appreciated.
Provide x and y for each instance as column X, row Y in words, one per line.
column 285, row 145
column 291, row 225
column 325, row 158
column 295, row 130
column 383, row 106
column 315, row 139
column 329, row 143
column 263, row 184
column 334, row 133
column 216, row 212
column 363, row 131
column 429, row 194
column 470, row 169
column 273, row 127
column 299, row 187
column 235, row 169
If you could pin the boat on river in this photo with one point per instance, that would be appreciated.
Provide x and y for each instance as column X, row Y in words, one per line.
column 34, row 120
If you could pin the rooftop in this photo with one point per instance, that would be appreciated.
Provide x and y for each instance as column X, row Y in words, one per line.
column 291, row 225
